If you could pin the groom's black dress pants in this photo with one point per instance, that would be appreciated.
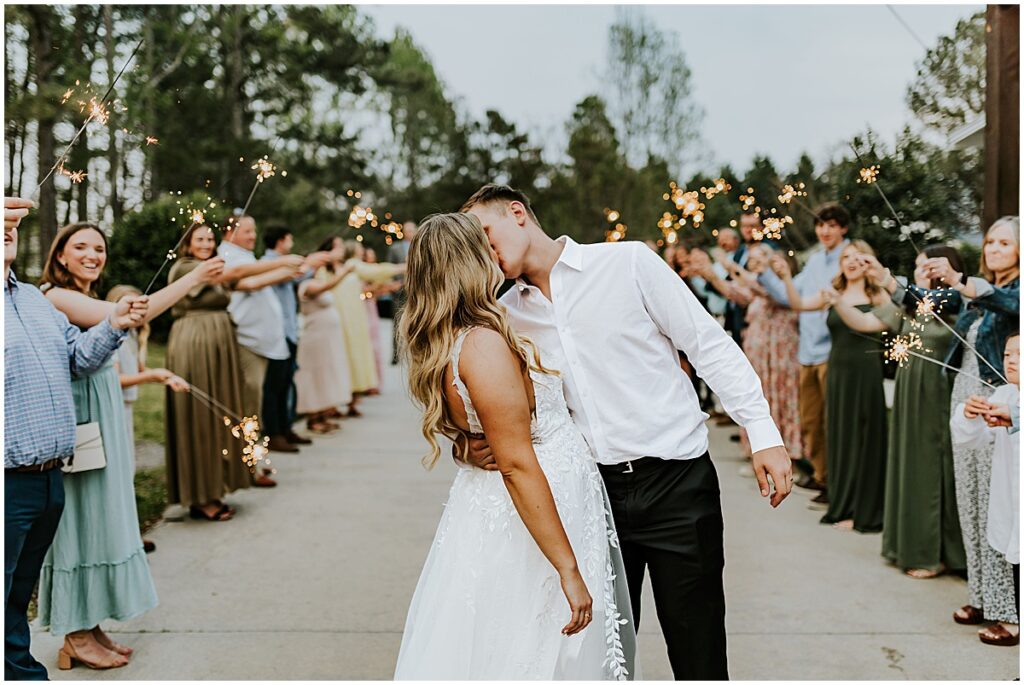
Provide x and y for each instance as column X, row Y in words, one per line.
column 668, row 514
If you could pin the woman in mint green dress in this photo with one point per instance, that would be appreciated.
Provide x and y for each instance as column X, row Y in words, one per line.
column 96, row 569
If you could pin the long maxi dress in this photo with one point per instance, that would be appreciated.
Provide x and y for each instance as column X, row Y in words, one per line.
column 203, row 349
column 323, row 379
column 96, row 568
column 855, row 427
column 922, row 526
column 355, row 322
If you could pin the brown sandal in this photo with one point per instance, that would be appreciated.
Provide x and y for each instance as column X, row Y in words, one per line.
column 968, row 615
column 222, row 514
column 997, row 634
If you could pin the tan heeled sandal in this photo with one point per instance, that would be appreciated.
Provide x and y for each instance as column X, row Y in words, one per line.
column 105, row 641
column 67, row 657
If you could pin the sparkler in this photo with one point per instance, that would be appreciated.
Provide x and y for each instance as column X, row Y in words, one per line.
column 720, row 186
column 618, row 231
column 197, row 216
column 97, row 107
column 246, row 429
column 899, row 347
column 747, row 200
column 789, row 192
column 264, row 169
column 774, row 227
column 878, row 186
column 869, row 175
column 150, row 140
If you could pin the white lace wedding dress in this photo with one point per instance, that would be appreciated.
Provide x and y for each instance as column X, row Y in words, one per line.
column 489, row 605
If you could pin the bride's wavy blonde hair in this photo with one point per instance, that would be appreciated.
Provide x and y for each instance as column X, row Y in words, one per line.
column 452, row 283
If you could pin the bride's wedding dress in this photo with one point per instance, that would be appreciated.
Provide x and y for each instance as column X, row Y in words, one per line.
column 489, row 605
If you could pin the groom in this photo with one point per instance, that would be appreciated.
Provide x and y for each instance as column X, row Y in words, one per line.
column 610, row 318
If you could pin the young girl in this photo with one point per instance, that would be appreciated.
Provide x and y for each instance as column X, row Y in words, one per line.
column 981, row 422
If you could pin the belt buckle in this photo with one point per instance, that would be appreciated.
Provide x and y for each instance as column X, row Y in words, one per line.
column 629, row 467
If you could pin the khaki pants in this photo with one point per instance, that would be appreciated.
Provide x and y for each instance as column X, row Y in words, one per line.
column 254, row 370
column 812, row 417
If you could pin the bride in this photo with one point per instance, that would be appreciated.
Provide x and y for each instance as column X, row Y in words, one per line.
column 505, row 592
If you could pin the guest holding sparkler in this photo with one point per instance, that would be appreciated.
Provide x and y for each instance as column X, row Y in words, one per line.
column 854, row 400
column 768, row 337
column 982, row 422
column 348, row 299
column 398, row 253
column 323, row 381
column 921, row 533
column 278, row 384
column 204, row 462
column 42, row 351
column 831, row 223
column 372, row 293
column 257, row 314
column 992, row 311
column 130, row 363
column 96, row 569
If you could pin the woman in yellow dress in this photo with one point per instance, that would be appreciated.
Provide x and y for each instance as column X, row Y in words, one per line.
column 355, row 323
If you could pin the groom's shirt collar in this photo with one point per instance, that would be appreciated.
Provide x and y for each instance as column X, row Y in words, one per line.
column 572, row 257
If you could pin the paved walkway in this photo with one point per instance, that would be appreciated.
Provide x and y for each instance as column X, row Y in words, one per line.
column 312, row 580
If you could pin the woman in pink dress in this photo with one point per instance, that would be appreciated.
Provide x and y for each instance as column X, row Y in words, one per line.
column 769, row 341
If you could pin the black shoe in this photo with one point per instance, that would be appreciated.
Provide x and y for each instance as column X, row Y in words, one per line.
column 822, row 498
column 808, row 483
column 296, row 439
column 804, row 466
column 148, row 546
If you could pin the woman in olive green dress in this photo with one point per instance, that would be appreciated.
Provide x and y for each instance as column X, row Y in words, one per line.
column 204, row 461
column 922, row 528
column 855, row 429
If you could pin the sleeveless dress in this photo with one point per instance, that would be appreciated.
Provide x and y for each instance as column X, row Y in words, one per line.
column 96, row 569
column 489, row 605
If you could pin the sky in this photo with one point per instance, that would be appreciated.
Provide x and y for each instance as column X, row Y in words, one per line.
column 776, row 80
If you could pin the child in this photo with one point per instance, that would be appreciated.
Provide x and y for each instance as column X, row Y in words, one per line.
column 976, row 422
column 130, row 361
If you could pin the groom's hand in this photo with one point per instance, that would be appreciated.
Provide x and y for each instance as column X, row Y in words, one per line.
column 478, row 453
column 774, row 462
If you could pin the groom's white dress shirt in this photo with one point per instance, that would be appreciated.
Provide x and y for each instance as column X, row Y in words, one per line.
column 616, row 317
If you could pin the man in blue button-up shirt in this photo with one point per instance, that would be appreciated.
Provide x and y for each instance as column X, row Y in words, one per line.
column 831, row 224
column 42, row 350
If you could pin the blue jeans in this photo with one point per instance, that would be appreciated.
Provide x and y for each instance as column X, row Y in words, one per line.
column 33, row 503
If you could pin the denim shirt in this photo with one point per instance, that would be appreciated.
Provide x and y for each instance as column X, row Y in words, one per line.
column 997, row 307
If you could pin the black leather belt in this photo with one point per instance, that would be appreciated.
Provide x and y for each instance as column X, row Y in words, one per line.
column 631, row 466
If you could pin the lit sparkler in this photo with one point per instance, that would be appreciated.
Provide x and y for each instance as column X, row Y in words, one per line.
column 868, row 175
column 899, row 348
column 618, row 230
column 789, row 192
column 747, row 200
column 720, row 186
column 150, row 140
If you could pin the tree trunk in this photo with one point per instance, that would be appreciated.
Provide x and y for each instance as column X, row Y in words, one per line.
column 81, row 153
column 112, row 152
column 234, row 85
column 41, row 37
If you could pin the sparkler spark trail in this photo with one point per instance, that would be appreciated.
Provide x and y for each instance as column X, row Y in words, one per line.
column 264, row 169
column 899, row 347
column 64, row 155
column 197, row 216
column 618, row 231
column 150, row 140
column 246, row 429
column 869, row 175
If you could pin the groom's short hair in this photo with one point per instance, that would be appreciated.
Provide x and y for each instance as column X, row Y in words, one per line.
column 493, row 193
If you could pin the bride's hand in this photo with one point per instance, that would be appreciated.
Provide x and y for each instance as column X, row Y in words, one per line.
column 479, row 453
column 579, row 601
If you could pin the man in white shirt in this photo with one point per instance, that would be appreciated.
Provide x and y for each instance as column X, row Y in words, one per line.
column 610, row 318
column 255, row 310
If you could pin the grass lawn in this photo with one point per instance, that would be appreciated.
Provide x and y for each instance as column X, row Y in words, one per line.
column 150, row 483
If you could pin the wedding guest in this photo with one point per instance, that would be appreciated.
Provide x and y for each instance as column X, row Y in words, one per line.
column 257, row 314
column 992, row 311
column 279, row 383
column 735, row 251
column 976, row 422
column 854, row 399
column 96, row 569
column 204, row 462
column 921, row 531
column 372, row 293
column 831, row 223
column 323, row 380
column 348, row 299
column 398, row 253
column 768, row 338
column 130, row 364
column 43, row 350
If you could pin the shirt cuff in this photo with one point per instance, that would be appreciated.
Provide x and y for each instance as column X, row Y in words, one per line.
column 117, row 334
column 981, row 287
column 763, row 434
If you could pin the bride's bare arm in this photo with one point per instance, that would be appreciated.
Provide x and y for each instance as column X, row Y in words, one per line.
column 499, row 393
